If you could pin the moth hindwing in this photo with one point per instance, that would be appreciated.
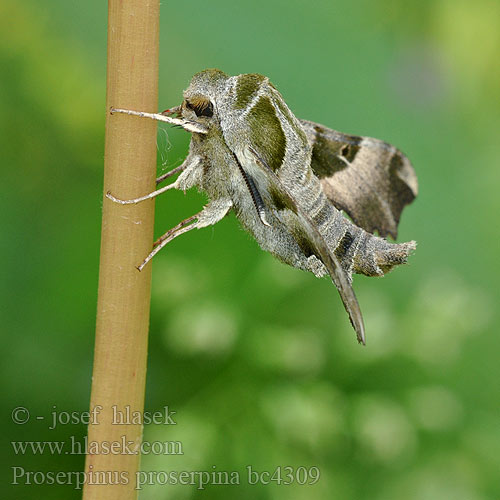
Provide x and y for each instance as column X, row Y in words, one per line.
column 288, row 182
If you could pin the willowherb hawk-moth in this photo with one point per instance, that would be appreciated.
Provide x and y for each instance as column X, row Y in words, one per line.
column 289, row 181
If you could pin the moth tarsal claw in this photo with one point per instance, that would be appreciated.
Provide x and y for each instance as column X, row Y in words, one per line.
column 113, row 199
column 118, row 200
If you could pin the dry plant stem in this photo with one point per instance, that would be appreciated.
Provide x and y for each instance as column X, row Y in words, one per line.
column 124, row 294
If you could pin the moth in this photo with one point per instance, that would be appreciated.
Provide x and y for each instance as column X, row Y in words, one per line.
column 290, row 182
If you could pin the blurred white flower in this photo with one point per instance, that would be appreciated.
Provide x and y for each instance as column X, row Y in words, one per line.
column 383, row 430
column 201, row 329
column 435, row 408
column 311, row 416
column 292, row 350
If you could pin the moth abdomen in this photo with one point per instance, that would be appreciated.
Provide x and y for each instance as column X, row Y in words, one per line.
column 396, row 254
column 345, row 245
column 376, row 256
column 358, row 251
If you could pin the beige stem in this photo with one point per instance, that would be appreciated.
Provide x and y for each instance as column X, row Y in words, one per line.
column 127, row 232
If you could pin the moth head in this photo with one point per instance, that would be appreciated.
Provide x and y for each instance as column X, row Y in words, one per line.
column 199, row 104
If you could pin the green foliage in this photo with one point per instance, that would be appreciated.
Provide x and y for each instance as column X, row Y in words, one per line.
column 258, row 359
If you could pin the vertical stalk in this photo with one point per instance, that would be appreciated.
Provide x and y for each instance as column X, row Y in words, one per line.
column 124, row 293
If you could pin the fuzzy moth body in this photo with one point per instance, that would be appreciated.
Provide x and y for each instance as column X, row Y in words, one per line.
column 289, row 181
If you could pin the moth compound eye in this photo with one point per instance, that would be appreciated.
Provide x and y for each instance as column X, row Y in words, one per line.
column 201, row 106
column 206, row 111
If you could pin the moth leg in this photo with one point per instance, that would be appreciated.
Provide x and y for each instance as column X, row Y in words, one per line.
column 149, row 196
column 184, row 181
column 167, row 238
column 316, row 266
column 188, row 163
column 211, row 214
column 166, row 175
column 175, row 229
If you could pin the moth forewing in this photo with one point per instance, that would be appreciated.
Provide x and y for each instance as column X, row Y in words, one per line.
column 305, row 224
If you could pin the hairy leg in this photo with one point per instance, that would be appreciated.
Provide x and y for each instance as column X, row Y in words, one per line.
column 184, row 181
column 179, row 226
column 172, row 172
column 211, row 214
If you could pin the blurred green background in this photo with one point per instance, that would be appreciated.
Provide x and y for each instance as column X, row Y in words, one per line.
column 259, row 360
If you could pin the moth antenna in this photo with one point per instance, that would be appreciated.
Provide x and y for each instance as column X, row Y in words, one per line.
column 149, row 196
column 258, row 202
column 263, row 219
column 254, row 192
